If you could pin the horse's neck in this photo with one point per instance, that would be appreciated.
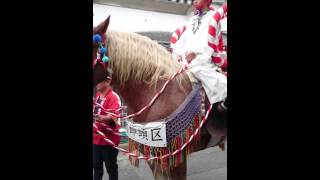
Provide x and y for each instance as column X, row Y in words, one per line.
column 136, row 96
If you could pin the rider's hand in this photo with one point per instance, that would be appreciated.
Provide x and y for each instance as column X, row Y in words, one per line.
column 103, row 118
column 190, row 56
column 179, row 58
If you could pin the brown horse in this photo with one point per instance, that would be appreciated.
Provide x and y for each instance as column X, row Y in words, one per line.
column 139, row 69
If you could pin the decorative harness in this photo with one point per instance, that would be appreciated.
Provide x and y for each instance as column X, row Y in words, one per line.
column 102, row 50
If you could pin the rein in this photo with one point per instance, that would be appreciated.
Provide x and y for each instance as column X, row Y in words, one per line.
column 146, row 106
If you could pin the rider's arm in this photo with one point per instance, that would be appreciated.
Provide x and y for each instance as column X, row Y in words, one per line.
column 203, row 57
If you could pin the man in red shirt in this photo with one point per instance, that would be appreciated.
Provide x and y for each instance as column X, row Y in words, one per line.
column 104, row 151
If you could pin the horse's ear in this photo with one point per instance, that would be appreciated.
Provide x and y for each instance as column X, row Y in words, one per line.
column 102, row 27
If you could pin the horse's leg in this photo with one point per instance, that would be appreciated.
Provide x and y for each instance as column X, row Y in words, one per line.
column 157, row 172
column 177, row 173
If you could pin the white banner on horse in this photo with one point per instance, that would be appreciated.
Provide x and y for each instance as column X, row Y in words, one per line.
column 151, row 134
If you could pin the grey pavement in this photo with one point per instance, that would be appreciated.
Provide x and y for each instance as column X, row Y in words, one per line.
column 209, row 164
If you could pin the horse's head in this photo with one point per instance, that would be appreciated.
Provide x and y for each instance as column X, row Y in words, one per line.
column 99, row 56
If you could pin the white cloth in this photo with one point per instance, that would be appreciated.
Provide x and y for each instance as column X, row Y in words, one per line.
column 214, row 83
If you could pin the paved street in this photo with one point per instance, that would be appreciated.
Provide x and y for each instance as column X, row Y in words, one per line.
column 209, row 164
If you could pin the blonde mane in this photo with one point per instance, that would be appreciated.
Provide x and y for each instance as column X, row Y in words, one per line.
column 137, row 58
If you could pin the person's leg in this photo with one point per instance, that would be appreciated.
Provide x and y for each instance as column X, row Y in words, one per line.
column 222, row 107
column 225, row 103
column 97, row 163
column 110, row 157
column 214, row 83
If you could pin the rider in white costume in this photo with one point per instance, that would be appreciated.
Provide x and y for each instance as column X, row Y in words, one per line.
column 192, row 48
